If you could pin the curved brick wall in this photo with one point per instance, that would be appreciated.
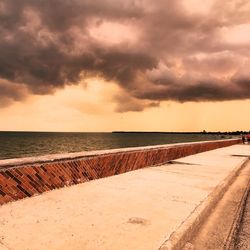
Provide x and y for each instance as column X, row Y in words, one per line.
column 20, row 178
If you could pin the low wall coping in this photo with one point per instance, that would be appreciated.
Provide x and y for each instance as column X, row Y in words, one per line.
column 84, row 154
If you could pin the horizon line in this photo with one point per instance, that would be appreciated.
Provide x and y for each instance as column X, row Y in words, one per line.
column 126, row 131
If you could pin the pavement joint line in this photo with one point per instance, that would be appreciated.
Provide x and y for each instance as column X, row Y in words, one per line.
column 238, row 155
column 183, row 163
column 191, row 225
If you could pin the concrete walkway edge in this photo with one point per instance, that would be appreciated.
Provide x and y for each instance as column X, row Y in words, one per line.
column 190, row 226
column 231, row 240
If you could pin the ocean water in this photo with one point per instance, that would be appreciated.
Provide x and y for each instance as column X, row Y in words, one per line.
column 25, row 144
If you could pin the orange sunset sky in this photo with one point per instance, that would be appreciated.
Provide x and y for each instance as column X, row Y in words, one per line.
column 141, row 65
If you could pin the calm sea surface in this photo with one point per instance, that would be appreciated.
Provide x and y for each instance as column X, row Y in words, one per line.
column 24, row 144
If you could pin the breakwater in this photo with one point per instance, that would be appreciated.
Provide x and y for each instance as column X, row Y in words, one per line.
column 25, row 177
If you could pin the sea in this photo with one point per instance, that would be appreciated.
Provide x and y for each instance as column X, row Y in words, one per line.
column 26, row 144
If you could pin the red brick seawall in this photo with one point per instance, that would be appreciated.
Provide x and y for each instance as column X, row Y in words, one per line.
column 20, row 178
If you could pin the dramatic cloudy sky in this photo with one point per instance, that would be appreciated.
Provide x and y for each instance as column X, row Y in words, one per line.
column 104, row 65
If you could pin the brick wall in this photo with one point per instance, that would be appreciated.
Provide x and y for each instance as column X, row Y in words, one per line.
column 20, row 181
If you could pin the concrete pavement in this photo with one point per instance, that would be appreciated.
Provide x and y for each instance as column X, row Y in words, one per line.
column 136, row 210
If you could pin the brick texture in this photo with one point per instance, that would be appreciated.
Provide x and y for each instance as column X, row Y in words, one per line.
column 24, row 181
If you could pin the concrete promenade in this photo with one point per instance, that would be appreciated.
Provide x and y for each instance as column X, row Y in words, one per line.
column 142, row 209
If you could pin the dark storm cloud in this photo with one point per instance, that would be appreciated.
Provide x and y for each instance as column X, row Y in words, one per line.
column 200, row 91
column 10, row 92
column 173, row 54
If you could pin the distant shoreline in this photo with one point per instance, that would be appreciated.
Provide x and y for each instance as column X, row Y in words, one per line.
column 198, row 133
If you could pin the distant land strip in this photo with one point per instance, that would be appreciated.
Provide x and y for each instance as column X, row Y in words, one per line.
column 202, row 132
